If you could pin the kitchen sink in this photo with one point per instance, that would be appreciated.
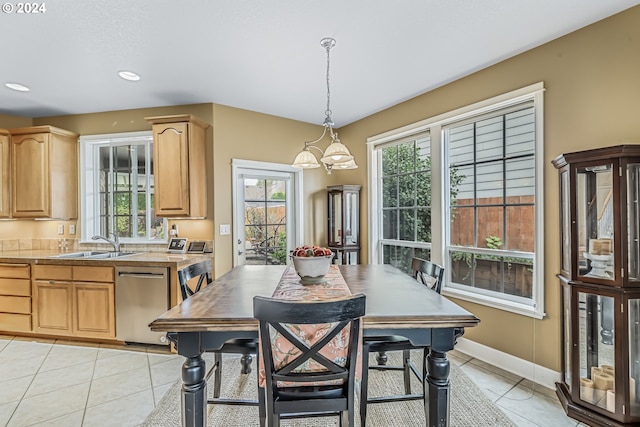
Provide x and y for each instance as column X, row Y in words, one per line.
column 94, row 255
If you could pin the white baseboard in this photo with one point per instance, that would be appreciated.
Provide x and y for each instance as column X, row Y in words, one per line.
column 523, row 368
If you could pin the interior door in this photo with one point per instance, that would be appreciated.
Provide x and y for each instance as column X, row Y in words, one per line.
column 266, row 226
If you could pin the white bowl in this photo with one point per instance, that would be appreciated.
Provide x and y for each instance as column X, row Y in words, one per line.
column 312, row 269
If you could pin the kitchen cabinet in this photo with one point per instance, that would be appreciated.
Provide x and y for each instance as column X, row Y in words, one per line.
column 44, row 173
column 15, row 297
column 5, row 211
column 74, row 300
column 179, row 166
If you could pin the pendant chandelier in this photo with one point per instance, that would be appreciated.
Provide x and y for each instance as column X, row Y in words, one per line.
column 336, row 156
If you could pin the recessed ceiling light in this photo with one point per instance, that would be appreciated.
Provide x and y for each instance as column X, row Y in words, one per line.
column 129, row 75
column 17, row 86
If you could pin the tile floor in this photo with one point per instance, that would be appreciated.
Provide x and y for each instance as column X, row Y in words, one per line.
column 56, row 383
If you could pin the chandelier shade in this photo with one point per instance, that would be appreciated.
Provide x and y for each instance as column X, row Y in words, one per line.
column 337, row 155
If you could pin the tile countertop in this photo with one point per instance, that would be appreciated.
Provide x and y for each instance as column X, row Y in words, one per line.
column 147, row 259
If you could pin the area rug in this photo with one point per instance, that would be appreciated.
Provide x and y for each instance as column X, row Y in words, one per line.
column 469, row 406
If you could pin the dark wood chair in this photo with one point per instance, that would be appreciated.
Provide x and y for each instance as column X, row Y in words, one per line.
column 430, row 275
column 247, row 347
column 291, row 392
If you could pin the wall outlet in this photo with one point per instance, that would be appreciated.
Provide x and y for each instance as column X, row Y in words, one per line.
column 225, row 229
column 72, row 229
column 60, row 228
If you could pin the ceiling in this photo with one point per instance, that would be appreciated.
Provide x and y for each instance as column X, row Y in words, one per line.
column 266, row 56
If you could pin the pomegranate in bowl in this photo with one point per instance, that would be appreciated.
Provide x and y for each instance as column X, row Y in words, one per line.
column 311, row 263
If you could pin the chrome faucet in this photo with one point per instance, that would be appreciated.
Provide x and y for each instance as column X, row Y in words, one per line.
column 115, row 242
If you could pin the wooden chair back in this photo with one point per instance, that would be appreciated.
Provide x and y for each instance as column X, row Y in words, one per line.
column 427, row 273
column 290, row 386
column 200, row 269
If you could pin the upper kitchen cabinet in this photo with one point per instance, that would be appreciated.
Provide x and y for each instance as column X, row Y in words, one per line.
column 179, row 166
column 44, row 173
column 5, row 164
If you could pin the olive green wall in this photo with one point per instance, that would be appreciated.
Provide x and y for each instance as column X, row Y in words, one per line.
column 592, row 99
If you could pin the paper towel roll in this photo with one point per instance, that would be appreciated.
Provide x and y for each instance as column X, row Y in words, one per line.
column 611, row 401
column 586, row 390
column 608, row 369
column 603, row 381
column 594, row 370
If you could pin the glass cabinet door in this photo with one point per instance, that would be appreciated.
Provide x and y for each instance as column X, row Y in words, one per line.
column 351, row 216
column 634, row 356
column 633, row 220
column 565, row 212
column 594, row 215
column 597, row 350
column 335, row 219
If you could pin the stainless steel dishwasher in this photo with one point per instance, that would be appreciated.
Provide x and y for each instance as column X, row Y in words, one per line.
column 142, row 294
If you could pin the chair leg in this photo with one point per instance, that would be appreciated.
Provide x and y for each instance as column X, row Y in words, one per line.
column 217, row 376
column 406, row 357
column 382, row 358
column 364, row 386
column 245, row 361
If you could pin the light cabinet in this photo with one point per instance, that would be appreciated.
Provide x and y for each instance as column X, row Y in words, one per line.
column 179, row 166
column 74, row 300
column 44, row 173
column 5, row 210
column 344, row 223
column 600, row 285
column 15, row 297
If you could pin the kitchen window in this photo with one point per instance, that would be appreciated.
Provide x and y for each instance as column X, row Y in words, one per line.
column 463, row 189
column 117, row 188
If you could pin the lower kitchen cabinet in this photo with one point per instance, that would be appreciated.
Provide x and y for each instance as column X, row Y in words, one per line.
column 15, row 297
column 74, row 300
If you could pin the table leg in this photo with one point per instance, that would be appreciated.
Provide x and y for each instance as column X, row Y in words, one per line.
column 437, row 389
column 194, row 392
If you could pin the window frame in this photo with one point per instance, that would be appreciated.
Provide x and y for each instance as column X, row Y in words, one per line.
column 440, row 190
column 89, row 164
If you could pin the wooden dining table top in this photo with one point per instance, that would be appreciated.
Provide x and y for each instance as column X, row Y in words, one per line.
column 394, row 300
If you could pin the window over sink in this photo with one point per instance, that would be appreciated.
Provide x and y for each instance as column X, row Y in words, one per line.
column 117, row 188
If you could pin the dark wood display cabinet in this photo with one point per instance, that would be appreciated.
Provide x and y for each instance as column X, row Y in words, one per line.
column 600, row 285
column 344, row 223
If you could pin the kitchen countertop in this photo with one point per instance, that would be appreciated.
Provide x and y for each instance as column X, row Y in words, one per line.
column 150, row 259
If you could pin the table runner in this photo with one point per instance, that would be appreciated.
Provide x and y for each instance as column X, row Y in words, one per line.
column 291, row 288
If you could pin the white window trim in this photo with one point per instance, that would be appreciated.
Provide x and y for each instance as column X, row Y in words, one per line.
column 87, row 163
column 433, row 125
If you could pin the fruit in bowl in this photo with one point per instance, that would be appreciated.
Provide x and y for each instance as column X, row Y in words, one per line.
column 311, row 262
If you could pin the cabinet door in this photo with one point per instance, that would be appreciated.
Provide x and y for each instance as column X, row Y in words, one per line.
column 30, row 176
column 52, row 307
column 93, row 310
column 5, row 211
column 171, row 169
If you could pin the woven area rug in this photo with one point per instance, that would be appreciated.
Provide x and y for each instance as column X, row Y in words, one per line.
column 469, row 406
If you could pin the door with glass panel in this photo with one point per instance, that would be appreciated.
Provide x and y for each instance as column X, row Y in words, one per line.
column 265, row 220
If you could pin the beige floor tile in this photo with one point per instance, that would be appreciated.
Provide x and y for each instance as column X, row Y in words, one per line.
column 14, row 390
column 121, row 362
column 26, row 349
column 535, row 407
column 496, row 370
column 73, row 343
column 62, row 356
column 120, row 385
column 12, row 367
column 45, row 382
column 160, row 391
column 49, row 406
column 492, row 385
column 3, row 342
column 35, row 340
column 6, row 411
column 155, row 358
column 73, row 419
column 127, row 411
column 166, row 372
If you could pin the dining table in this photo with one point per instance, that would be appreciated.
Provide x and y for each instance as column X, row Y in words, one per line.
column 396, row 304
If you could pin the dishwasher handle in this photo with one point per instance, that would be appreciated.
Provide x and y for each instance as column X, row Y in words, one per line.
column 140, row 275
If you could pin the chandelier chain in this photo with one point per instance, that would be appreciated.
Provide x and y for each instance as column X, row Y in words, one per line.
column 328, row 110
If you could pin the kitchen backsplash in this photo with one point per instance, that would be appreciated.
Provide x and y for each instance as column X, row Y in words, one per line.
column 71, row 245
